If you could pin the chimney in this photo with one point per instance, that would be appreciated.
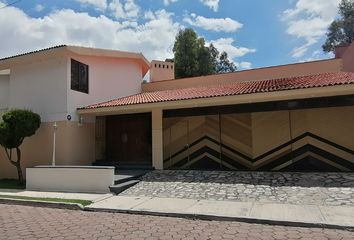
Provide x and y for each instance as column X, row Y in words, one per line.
column 162, row 70
column 339, row 50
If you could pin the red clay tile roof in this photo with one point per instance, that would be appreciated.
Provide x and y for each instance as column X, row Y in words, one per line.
column 313, row 81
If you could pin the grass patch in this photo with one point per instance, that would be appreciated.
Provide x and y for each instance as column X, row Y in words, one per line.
column 57, row 200
column 11, row 184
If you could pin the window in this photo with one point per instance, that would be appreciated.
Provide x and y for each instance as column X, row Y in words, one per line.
column 79, row 76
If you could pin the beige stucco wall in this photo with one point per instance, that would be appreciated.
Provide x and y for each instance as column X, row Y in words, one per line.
column 4, row 91
column 309, row 68
column 40, row 87
column 160, row 71
column 348, row 59
column 109, row 78
column 75, row 146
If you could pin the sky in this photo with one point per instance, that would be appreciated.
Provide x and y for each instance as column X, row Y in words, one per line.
column 254, row 33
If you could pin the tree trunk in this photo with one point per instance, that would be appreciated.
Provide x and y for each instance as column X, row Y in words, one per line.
column 17, row 163
column 18, row 166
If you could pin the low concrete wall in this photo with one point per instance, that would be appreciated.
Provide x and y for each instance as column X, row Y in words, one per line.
column 89, row 179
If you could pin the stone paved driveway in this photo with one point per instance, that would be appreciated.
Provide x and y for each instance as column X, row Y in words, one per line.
column 24, row 222
column 275, row 187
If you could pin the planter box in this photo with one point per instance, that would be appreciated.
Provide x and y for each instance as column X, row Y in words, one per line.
column 84, row 179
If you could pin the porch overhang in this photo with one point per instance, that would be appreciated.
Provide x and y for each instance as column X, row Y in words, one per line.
column 286, row 95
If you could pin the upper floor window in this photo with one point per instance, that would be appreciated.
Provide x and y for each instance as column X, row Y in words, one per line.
column 79, row 76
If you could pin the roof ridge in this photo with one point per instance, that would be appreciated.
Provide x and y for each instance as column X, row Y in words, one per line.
column 34, row 51
column 239, row 88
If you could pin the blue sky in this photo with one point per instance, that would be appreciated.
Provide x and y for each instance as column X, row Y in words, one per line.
column 255, row 33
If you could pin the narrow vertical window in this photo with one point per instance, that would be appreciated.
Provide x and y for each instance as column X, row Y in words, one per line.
column 79, row 76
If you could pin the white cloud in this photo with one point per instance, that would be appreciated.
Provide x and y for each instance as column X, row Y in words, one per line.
column 168, row 2
column 124, row 9
column 213, row 24
column 100, row 4
column 234, row 52
column 213, row 4
column 243, row 65
column 226, row 44
column 309, row 20
column 39, row 8
column 20, row 33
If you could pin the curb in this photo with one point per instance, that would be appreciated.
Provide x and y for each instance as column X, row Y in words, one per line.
column 33, row 203
column 223, row 218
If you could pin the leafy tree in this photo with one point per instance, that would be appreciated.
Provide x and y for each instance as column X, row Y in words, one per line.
column 193, row 58
column 186, row 53
column 204, row 59
column 16, row 126
column 341, row 30
column 224, row 65
column 214, row 54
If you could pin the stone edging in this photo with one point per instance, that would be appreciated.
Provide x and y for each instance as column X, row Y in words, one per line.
column 33, row 203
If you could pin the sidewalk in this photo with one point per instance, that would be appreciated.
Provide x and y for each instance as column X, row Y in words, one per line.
column 253, row 211
column 342, row 216
column 82, row 196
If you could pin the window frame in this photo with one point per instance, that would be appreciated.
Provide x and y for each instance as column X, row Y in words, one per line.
column 82, row 84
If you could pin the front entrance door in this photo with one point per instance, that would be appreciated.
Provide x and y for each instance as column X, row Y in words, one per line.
column 129, row 140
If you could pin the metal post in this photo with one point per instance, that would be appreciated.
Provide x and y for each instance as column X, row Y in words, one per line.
column 220, row 142
column 291, row 138
column 55, row 127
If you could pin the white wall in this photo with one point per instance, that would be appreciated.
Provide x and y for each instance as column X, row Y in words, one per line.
column 108, row 79
column 4, row 92
column 44, row 86
column 70, row 179
column 40, row 87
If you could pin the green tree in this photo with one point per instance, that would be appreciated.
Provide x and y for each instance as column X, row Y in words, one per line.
column 224, row 64
column 186, row 53
column 16, row 126
column 214, row 53
column 341, row 30
column 204, row 59
column 193, row 58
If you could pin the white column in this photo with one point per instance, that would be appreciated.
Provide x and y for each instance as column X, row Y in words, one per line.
column 55, row 127
column 157, row 139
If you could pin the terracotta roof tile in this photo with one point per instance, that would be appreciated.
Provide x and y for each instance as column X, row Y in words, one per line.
column 313, row 81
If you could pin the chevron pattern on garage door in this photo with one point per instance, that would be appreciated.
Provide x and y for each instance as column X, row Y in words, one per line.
column 310, row 156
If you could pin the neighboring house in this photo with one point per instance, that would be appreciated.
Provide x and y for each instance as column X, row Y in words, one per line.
column 54, row 82
column 296, row 117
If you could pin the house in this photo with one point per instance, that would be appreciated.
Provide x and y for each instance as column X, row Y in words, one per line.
column 295, row 117
column 54, row 82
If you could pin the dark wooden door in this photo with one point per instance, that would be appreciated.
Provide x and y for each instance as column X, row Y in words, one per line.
column 128, row 139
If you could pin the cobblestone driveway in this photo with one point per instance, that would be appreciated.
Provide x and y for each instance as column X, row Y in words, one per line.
column 24, row 222
column 293, row 188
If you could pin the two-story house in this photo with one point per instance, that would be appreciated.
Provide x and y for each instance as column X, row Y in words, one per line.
column 294, row 117
column 54, row 82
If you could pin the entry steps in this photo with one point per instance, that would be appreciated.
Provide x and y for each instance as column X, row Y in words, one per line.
column 124, row 179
